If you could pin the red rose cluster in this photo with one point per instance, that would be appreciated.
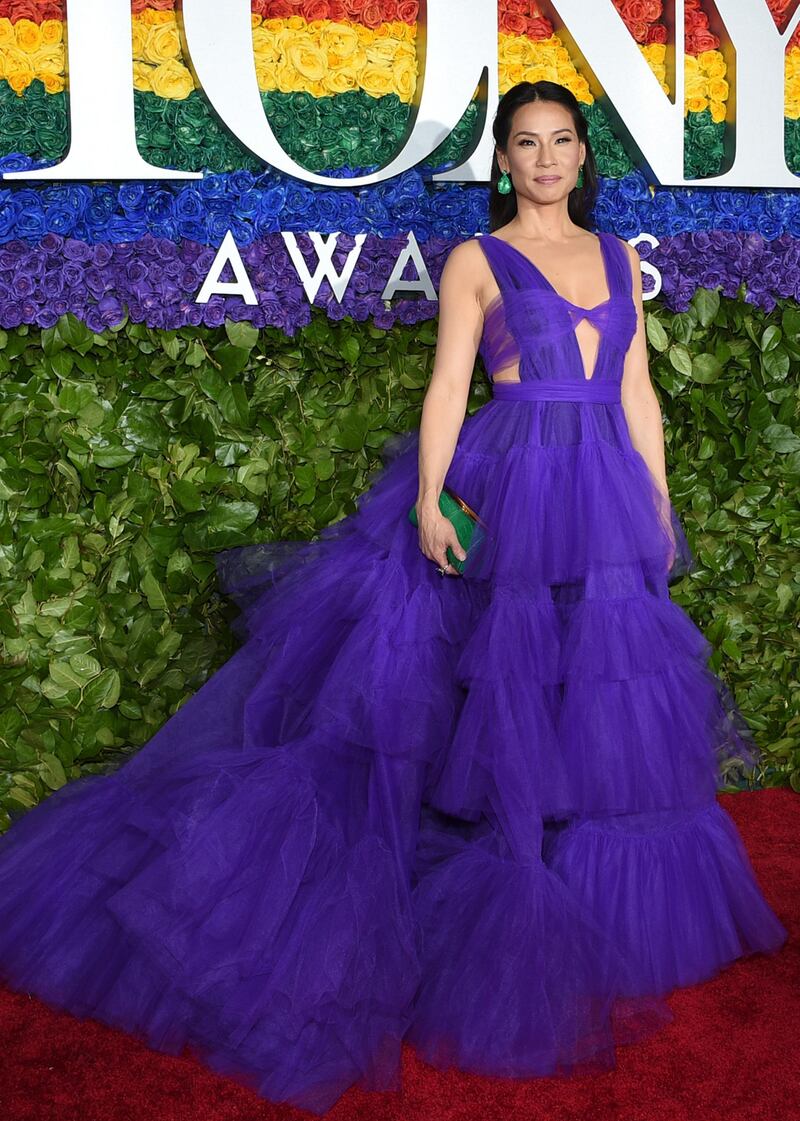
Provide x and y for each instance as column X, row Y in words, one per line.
column 516, row 17
column 641, row 17
column 522, row 17
column 370, row 13
column 781, row 12
column 698, row 35
column 34, row 10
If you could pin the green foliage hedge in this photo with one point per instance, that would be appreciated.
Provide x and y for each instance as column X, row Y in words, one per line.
column 128, row 458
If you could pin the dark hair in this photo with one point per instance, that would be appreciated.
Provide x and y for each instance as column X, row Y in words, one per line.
column 502, row 208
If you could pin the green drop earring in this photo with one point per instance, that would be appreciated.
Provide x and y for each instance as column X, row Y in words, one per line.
column 504, row 183
column 579, row 182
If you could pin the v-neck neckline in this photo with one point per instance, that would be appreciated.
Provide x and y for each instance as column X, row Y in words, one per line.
column 552, row 287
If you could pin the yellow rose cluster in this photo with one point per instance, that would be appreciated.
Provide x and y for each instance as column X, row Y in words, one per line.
column 31, row 50
column 792, row 83
column 319, row 57
column 529, row 60
column 323, row 57
column 526, row 60
column 706, row 87
column 655, row 56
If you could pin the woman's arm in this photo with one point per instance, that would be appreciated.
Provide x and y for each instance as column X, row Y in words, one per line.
column 642, row 408
column 445, row 403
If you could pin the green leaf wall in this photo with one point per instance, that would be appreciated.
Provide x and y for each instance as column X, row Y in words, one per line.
column 127, row 459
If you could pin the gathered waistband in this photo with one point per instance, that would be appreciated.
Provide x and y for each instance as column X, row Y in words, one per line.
column 544, row 389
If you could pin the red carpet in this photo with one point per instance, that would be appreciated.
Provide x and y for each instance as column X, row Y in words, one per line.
column 730, row 1053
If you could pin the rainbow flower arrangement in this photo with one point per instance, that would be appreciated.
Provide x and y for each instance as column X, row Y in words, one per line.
column 327, row 48
column 337, row 79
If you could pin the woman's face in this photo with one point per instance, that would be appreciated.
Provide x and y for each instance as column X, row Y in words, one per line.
column 543, row 153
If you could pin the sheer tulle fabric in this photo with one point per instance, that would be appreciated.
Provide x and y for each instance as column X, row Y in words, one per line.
column 474, row 813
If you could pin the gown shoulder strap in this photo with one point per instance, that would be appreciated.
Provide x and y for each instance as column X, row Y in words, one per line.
column 511, row 270
column 620, row 277
column 498, row 347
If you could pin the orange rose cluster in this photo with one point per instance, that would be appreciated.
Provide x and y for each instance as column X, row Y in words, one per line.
column 370, row 13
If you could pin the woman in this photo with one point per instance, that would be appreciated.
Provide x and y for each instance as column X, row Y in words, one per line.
column 477, row 814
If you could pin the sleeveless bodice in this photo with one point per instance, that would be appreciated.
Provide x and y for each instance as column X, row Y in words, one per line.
column 529, row 322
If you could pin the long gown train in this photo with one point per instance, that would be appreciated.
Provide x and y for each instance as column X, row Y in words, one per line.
column 474, row 813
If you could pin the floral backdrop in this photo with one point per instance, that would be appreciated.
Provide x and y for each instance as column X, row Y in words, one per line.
column 337, row 78
column 141, row 431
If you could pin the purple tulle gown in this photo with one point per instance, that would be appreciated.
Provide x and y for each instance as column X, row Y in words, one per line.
column 474, row 813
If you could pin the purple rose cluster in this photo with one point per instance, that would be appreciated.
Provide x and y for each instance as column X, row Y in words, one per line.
column 155, row 281
column 725, row 259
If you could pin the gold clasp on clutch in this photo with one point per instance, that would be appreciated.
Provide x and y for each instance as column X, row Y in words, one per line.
column 467, row 509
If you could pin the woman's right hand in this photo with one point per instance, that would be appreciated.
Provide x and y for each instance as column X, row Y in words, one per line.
column 436, row 533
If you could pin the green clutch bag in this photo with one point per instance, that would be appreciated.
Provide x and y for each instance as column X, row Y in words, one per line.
column 466, row 521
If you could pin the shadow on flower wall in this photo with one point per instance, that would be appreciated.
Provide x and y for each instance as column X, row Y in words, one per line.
column 127, row 458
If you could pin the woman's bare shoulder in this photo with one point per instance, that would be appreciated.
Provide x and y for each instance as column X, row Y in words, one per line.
column 466, row 268
column 462, row 257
